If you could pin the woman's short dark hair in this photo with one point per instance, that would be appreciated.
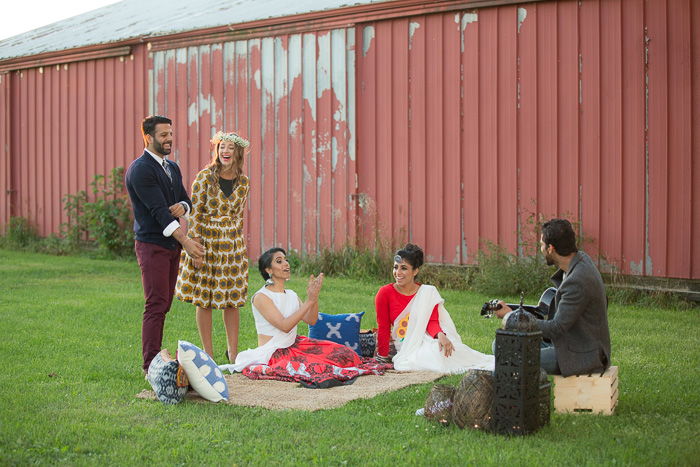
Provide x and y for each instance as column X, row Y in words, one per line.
column 412, row 254
column 560, row 234
column 265, row 260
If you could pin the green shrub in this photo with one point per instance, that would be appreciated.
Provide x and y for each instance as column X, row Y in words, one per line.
column 370, row 264
column 75, row 231
column 446, row 276
column 501, row 273
column 104, row 223
column 109, row 216
column 20, row 233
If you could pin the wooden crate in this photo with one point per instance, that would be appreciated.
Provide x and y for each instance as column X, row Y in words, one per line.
column 592, row 394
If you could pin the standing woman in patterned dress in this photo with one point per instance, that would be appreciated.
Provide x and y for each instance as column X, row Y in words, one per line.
column 220, row 279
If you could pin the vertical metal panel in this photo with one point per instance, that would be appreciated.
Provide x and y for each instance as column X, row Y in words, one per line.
column 289, row 96
column 64, row 124
column 633, row 121
column 680, row 140
column 5, row 167
column 528, row 176
column 695, row 137
column 579, row 109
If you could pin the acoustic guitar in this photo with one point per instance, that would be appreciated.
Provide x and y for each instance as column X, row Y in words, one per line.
column 545, row 308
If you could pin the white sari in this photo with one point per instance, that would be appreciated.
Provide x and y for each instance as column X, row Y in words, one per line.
column 419, row 351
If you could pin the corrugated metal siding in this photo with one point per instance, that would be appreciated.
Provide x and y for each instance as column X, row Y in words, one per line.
column 466, row 125
column 471, row 123
column 293, row 97
column 5, row 168
column 69, row 122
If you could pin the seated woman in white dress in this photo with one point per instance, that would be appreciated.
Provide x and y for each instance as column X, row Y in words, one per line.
column 282, row 354
column 412, row 318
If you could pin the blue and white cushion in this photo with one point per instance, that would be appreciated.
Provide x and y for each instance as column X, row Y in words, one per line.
column 203, row 372
column 342, row 329
column 162, row 375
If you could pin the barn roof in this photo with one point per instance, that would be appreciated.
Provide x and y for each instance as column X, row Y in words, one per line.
column 130, row 19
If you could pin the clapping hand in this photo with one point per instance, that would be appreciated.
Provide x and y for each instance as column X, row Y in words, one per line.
column 314, row 287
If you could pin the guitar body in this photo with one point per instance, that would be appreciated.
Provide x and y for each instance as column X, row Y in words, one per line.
column 545, row 309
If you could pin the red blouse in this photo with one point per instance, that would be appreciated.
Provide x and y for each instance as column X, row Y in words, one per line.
column 389, row 304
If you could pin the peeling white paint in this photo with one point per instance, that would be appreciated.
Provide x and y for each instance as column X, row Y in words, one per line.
column 256, row 78
column 367, row 37
column 267, row 72
column 522, row 14
column 350, row 127
column 295, row 127
column 192, row 116
column 334, row 153
column 457, row 18
column 181, row 56
column 412, row 28
column 199, row 108
column 294, row 52
column 467, row 19
column 309, row 70
column 323, row 67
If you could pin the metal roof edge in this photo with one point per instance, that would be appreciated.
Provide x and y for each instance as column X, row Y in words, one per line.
column 324, row 19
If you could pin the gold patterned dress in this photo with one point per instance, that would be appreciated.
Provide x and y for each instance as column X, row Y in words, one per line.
column 222, row 281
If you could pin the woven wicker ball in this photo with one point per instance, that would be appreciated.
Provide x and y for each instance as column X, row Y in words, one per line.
column 472, row 400
column 438, row 405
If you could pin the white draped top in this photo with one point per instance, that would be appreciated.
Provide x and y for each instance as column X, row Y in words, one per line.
column 287, row 303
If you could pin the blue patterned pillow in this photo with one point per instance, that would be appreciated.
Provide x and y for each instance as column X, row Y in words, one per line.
column 203, row 372
column 343, row 329
column 162, row 374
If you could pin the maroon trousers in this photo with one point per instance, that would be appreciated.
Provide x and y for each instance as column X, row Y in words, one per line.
column 159, row 267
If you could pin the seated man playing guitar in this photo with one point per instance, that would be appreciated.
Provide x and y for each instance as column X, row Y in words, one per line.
column 578, row 325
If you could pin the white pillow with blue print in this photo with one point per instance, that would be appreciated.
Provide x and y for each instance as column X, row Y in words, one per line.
column 203, row 372
column 342, row 329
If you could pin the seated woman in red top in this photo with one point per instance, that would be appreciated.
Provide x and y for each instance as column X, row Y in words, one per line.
column 411, row 317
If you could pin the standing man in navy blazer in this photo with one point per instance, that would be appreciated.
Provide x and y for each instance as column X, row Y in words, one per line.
column 158, row 199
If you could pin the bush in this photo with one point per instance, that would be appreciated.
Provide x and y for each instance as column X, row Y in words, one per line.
column 20, row 233
column 105, row 223
column 447, row 277
column 109, row 216
column 367, row 264
column 501, row 273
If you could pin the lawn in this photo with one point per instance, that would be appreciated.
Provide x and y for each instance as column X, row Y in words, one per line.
column 71, row 370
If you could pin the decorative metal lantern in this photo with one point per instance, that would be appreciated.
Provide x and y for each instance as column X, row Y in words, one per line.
column 517, row 401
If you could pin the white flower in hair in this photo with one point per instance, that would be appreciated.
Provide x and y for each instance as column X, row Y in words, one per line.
column 232, row 137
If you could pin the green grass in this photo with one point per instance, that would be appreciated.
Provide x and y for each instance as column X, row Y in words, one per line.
column 71, row 368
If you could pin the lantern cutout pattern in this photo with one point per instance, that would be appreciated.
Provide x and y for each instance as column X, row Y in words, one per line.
column 519, row 405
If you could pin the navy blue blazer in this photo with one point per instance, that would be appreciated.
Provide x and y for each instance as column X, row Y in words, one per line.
column 152, row 194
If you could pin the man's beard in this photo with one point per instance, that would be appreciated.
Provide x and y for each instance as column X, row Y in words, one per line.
column 160, row 149
column 549, row 260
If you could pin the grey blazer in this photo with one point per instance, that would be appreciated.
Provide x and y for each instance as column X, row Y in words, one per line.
column 579, row 329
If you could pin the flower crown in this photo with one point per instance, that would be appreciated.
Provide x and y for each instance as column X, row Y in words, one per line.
column 232, row 137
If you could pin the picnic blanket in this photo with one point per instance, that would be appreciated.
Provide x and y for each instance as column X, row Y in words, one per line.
column 283, row 395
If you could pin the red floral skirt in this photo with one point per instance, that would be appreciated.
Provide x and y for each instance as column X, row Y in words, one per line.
column 316, row 364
